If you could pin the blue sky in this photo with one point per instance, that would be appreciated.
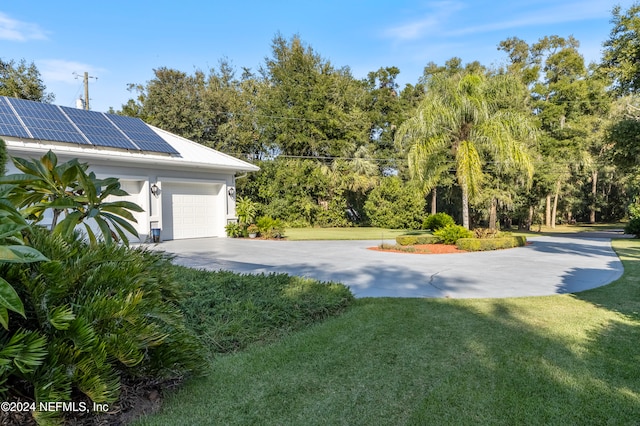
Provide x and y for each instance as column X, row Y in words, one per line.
column 121, row 42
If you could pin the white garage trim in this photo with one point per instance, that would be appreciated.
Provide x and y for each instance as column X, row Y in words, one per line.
column 138, row 189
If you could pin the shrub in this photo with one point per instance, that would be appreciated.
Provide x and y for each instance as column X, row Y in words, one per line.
column 229, row 311
column 483, row 233
column 410, row 240
column 452, row 233
column 246, row 210
column 233, row 229
column 476, row 244
column 106, row 312
column 270, row 227
column 394, row 205
column 397, row 247
column 633, row 227
column 437, row 221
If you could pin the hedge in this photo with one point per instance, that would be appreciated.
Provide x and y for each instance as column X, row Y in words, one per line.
column 476, row 244
column 410, row 240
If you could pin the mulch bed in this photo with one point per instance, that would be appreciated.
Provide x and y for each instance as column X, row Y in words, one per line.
column 138, row 397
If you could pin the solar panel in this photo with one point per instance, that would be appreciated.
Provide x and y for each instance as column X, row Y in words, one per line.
column 36, row 120
column 141, row 134
column 98, row 129
column 47, row 122
column 9, row 123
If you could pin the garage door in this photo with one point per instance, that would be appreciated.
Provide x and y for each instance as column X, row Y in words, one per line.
column 191, row 210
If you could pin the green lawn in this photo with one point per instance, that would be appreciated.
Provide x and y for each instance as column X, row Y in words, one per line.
column 570, row 229
column 558, row 360
column 364, row 233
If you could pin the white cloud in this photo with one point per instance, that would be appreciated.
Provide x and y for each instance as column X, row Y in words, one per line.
column 446, row 18
column 555, row 14
column 14, row 30
column 429, row 24
column 58, row 70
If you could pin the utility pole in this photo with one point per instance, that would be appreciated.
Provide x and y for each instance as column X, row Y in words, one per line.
column 86, row 88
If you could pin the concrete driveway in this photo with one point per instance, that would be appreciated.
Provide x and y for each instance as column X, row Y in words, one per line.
column 546, row 266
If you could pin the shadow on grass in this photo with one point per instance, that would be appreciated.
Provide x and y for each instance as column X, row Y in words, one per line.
column 551, row 360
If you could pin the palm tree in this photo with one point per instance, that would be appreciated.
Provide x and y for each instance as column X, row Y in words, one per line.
column 463, row 118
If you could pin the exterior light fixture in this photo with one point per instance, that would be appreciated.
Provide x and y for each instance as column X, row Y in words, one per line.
column 231, row 192
column 155, row 190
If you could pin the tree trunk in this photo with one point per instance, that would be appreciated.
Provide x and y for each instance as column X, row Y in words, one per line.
column 434, row 199
column 594, row 185
column 530, row 219
column 465, row 206
column 554, row 211
column 493, row 214
column 547, row 217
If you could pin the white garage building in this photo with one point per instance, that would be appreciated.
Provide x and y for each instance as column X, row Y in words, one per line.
column 186, row 189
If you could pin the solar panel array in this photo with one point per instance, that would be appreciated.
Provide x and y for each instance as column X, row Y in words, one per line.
column 35, row 120
column 9, row 123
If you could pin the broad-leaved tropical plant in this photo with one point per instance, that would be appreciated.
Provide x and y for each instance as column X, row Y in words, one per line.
column 74, row 196
column 12, row 250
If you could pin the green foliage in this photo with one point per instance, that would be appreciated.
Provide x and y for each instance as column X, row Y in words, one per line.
column 12, row 250
column 398, row 247
column 452, row 233
column 270, row 227
column 216, row 110
column 394, row 204
column 302, row 84
column 294, row 191
column 246, row 210
column 621, row 51
column 234, row 230
column 463, row 119
column 106, row 312
column 3, row 157
column 634, row 209
column 23, row 81
column 633, row 227
column 410, row 240
column 437, row 221
column 485, row 244
column 230, row 311
column 73, row 194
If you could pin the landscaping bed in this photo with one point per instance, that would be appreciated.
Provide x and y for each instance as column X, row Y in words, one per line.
column 419, row 248
column 454, row 239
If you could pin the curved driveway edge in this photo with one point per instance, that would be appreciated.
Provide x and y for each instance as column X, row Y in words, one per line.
column 546, row 266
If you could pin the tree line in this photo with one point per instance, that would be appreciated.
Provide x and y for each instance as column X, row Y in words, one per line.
column 545, row 138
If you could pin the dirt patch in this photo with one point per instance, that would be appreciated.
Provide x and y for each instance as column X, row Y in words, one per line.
column 425, row 249
column 138, row 397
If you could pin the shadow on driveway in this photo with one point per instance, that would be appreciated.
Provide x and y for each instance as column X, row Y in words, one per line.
column 546, row 266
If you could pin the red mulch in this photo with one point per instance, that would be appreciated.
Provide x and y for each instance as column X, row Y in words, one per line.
column 426, row 249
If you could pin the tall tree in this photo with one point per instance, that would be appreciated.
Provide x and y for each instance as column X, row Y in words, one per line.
column 621, row 54
column 22, row 80
column 311, row 108
column 460, row 116
column 216, row 110
column 570, row 103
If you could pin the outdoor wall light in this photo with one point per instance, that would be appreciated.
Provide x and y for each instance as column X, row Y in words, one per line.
column 231, row 191
column 155, row 190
